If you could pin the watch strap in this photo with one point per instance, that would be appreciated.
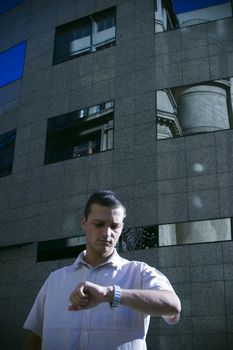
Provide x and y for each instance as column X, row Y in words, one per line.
column 116, row 297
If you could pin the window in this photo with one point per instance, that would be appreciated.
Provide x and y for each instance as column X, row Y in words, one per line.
column 60, row 248
column 8, row 4
column 194, row 109
column 138, row 238
column 7, row 147
column 195, row 232
column 12, row 63
column 80, row 133
column 172, row 14
column 85, row 35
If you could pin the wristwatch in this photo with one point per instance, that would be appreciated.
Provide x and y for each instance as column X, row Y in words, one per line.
column 116, row 297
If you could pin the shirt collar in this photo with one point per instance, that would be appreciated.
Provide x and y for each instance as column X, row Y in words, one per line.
column 115, row 260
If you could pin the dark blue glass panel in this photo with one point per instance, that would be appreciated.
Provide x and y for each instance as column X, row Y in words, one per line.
column 12, row 63
column 7, row 4
column 191, row 5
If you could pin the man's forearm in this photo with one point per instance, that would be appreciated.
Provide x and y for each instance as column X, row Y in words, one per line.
column 152, row 302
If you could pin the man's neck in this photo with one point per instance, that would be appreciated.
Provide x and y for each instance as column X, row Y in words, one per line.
column 96, row 260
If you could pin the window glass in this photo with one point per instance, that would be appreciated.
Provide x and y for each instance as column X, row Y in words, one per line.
column 85, row 35
column 194, row 109
column 62, row 248
column 80, row 133
column 12, row 63
column 7, row 147
column 195, row 232
column 7, row 4
column 106, row 23
column 138, row 238
column 172, row 14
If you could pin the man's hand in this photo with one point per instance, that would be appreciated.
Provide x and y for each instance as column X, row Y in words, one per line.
column 87, row 295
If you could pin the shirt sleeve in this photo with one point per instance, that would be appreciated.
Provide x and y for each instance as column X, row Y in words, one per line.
column 34, row 321
column 154, row 279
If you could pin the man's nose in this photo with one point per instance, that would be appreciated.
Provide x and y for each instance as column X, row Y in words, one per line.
column 107, row 231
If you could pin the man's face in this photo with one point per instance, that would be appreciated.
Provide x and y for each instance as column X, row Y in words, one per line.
column 103, row 228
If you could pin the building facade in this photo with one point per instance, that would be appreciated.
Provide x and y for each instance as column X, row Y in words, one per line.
column 128, row 95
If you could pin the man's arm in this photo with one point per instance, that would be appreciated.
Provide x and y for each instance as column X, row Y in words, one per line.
column 151, row 302
column 32, row 342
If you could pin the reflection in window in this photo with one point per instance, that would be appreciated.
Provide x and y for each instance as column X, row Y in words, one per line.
column 80, row 133
column 7, row 148
column 172, row 14
column 12, row 63
column 193, row 109
column 138, row 238
column 85, row 35
column 195, row 232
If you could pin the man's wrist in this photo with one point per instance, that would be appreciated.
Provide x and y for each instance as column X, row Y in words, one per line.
column 109, row 295
column 116, row 297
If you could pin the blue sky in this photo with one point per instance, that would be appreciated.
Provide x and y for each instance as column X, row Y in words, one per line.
column 12, row 63
column 7, row 4
column 190, row 5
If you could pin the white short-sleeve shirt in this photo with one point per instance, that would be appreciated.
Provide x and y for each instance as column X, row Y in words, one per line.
column 97, row 328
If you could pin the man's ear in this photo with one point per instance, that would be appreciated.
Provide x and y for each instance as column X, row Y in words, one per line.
column 83, row 222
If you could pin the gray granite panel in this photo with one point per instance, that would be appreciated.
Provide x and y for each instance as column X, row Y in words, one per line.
column 172, row 186
column 179, row 274
column 200, row 66
column 145, row 132
column 104, row 59
column 123, row 173
column 227, row 252
column 228, row 271
column 225, row 200
column 200, row 141
column 228, row 295
column 144, row 170
column 206, row 254
column 224, row 156
column 171, row 145
column 184, row 326
column 103, row 91
column 176, row 342
column 208, row 298
column 67, row 11
column 210, row 342
column 206, row 273
column 203, row 204
column 201, row 161
column 174, row 256
column 145, row 211
column 171, row 166
column 169, row 75
column 220, row 66
column 172, row 208
column 197, row 183
column 123, row 137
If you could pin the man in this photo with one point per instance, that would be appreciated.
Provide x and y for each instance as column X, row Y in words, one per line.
column 102, row 301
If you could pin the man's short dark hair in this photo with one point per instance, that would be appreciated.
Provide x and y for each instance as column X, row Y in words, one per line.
column 104, row 198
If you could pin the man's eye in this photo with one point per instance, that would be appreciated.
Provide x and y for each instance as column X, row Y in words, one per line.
column 115, row 227
column 97, row 224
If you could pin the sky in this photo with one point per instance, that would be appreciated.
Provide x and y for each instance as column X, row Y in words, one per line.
column 190, row 5
column 7, row 4
column 12, row 63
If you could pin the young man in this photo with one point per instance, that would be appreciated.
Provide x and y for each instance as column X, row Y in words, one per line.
column 102, row 301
